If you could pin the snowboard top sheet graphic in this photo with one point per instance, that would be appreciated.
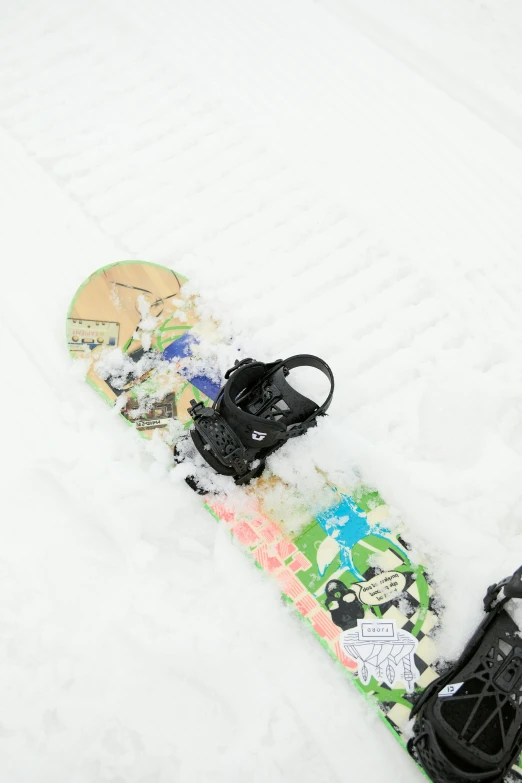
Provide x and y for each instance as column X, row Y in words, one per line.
column 347, row 572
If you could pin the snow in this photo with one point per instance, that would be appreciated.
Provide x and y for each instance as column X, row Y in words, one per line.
column 335, row 178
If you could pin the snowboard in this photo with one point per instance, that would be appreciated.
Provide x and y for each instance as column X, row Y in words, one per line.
column 346, row 570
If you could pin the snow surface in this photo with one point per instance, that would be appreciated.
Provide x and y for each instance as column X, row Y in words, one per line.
column 336, row 177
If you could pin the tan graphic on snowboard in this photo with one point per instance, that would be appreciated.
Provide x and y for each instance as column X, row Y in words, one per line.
column 134, row 307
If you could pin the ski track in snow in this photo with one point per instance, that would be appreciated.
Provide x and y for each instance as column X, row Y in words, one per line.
column 330, row 188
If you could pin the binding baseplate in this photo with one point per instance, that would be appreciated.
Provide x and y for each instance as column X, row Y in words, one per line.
column 468, row 723
column 255, row 412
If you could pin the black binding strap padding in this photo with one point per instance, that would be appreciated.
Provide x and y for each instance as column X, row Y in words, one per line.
column 468, row 726
column 255, row 412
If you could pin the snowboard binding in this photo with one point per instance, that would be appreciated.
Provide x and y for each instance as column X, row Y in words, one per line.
column 254, row 413
column 468, row 726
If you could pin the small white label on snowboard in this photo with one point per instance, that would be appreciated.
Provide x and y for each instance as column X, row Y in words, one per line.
column 148, row 424
column 450, row 690
column 377, row 629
